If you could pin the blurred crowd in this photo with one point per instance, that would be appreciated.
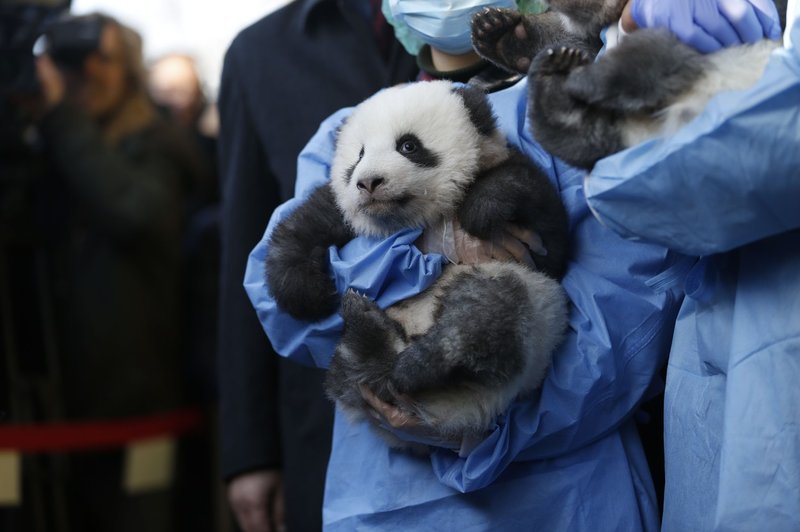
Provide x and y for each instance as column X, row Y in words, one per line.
column 109, row 261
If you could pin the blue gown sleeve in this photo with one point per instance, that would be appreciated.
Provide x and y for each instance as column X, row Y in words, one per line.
column 727, row 179
column 622, row 311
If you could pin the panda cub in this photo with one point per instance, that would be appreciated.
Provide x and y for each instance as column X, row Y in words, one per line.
column 414, row 156
column 648, row 86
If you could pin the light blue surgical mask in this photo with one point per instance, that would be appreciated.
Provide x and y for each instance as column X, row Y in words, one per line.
column 443, row 24
column 407, row 38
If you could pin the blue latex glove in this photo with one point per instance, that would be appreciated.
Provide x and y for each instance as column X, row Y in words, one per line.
column 708, row 25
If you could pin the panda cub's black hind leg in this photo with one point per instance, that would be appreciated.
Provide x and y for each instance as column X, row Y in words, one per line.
column 499, row 36
column 368, row 331
column 475, row 336
column 368, row 346
column 510, row 39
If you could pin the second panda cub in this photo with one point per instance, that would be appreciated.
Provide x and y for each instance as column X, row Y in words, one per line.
column 415, row 156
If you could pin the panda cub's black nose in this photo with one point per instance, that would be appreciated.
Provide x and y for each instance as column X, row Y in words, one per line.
column 369, row 184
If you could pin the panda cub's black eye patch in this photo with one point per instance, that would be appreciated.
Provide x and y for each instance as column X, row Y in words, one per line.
column 410, row 147
column 348, row 174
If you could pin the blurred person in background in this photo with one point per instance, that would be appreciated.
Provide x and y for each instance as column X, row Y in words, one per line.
column 110, row 209
column 281, row 77
column 175, row 87
column 174, row 83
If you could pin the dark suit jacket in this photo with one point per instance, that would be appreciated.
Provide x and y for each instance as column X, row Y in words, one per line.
column 282, row 76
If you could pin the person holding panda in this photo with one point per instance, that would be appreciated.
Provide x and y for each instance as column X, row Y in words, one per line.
column 568, row 459
column 274, row 466
column 725, row 188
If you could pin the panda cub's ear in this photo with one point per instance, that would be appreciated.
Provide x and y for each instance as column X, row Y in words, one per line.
column 480, row 111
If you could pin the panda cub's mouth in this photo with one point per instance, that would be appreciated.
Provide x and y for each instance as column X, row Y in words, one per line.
column 389, row 213
column 373, row 203
column 382, row 206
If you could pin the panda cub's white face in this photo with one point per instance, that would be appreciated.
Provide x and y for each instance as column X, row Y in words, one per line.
column 405, row 156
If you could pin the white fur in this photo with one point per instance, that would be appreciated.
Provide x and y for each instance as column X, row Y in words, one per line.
column 431, row 193
column 731, row 69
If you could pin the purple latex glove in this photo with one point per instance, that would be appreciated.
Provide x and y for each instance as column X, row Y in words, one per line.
column 708, row 25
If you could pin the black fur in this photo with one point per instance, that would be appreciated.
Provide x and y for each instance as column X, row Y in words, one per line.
column 410, row 147
column 369, row 335
column 646, row 72
column 480, row 112
column 297, row 264
column 424, row 364
column 367, row 329
column 517, row 192
column 578, row 142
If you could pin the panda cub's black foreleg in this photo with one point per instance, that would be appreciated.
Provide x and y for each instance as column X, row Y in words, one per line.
column 298, row 274
column 566, row 126
column 517, row 192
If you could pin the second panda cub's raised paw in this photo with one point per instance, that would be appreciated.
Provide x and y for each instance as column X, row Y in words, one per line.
column 500, row 36
column 560, row 61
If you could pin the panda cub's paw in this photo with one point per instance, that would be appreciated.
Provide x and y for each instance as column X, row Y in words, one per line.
column 560, row 61
column 501, row 36
column 357, row 308
column 369, row 333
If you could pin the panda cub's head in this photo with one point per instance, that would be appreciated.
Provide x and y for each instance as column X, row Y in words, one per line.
column 405, row 156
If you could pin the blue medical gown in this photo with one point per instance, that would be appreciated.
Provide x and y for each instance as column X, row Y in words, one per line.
column 568, row 459
column 727, row 187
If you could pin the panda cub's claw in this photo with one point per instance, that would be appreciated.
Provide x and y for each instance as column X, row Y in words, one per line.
column 560, row 61
column 366, row 325
column 492, row 23
column 356, row 306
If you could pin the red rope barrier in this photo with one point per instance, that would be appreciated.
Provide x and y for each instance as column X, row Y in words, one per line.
column 93, row 435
